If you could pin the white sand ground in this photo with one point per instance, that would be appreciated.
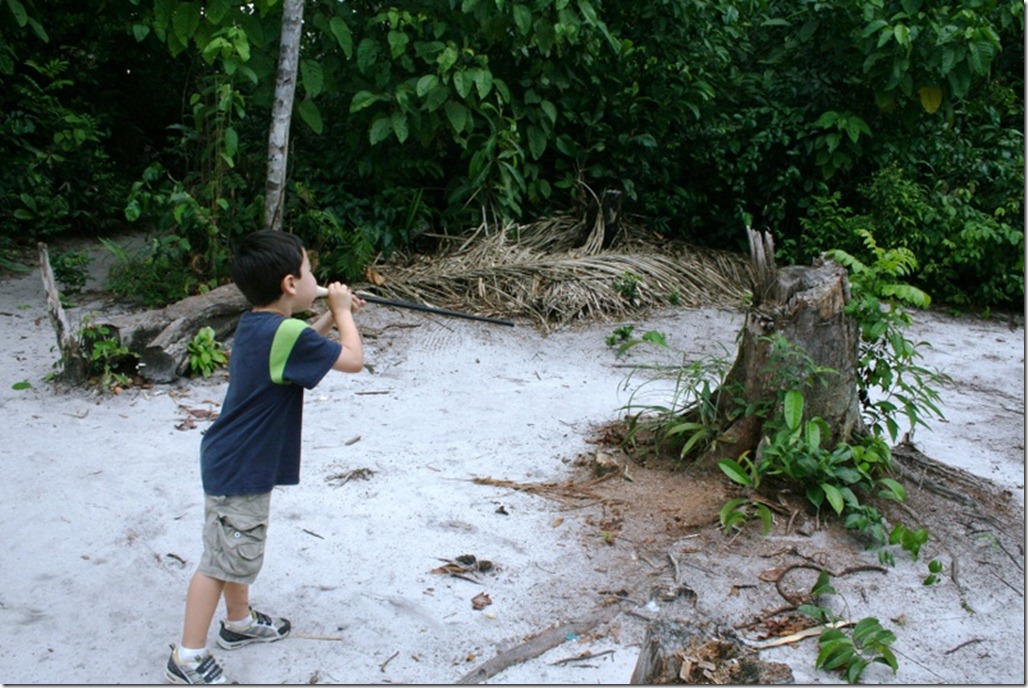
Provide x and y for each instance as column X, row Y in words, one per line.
column 100, row 510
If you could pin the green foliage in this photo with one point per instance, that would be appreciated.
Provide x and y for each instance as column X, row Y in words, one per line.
column 71, row 269
column 891, row 382
column 841, row 649
column 847, row 478
column 903, row 118
column 108, row 360
column 205, row 353
column 934, row 569
column 735, row 512
column 686, row 417
column 627, row 286
column 56, row 176
column 159, row 272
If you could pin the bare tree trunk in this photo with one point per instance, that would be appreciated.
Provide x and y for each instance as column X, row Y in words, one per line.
column 73, row 365
column 804, row 305
column 281, row 115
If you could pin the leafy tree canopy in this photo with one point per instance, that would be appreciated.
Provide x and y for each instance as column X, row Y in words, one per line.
column 816, row 120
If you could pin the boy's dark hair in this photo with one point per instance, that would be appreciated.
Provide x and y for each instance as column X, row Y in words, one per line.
column 262, row 260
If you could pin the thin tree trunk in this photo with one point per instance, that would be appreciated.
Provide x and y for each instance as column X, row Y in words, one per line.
column 281, row 114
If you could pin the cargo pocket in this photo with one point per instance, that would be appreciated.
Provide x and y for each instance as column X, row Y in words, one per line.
column 242, row 542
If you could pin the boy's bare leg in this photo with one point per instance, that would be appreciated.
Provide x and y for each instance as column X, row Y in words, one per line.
column 201, row 603
column 237, row 601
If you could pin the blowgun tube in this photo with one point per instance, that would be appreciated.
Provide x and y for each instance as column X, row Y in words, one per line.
column 323, row 292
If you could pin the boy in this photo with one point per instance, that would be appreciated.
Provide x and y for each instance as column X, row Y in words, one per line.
column 254, row 444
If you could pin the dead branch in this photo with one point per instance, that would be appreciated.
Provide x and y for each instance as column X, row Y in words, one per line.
column 72, row 361
column 532, row 648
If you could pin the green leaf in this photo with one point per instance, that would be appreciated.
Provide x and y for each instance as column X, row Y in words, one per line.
column 462, row 83
column 426, row 84
column 457, row 114
column 185, row 20
column 483, row 81
column 342, row 35
column 216, row 10
column 834, row 496
column 363, row 99
column 734, row 471
column 793, row 409
column 18, row 10
column 312, row 76
column 311, row 115
column 893, row 490
column 381, row 129
column 823, row 586
column 729, row 508
column 813, row 435
column 437, row 97
column 400, row 126
column 765, row 516
column 523, row 19
column 655, row 337
column 550, row 110
column 397, row 43
column 536, row 141
column 19, row 386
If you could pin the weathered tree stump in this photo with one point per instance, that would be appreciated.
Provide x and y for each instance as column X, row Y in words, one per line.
column 679, row 653
column 73, row 364
column 804, row 305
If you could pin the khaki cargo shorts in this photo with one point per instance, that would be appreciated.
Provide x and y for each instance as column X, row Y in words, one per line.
column 234, row 532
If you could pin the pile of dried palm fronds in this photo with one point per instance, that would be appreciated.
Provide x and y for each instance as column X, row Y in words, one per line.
column 557, row 270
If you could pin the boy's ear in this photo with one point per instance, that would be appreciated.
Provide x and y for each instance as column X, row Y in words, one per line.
column 289, row 285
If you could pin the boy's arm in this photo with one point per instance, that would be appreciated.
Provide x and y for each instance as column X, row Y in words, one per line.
column 341, row 305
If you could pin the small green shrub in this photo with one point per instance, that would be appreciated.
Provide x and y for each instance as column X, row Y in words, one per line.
column 205, row 353
column 71, row 269
column 109, row 360
column 848, row 651
column 627, row 286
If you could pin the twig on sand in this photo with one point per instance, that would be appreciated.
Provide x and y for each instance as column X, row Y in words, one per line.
column 972, row 641
column 382, row 666
column 559, row 491
column 796, row 637
column 310, row 636
column 581, row 658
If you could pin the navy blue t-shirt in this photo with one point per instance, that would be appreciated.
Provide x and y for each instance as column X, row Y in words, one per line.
column 254, row 444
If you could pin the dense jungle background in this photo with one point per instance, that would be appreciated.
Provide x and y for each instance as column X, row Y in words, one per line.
column 417, row 122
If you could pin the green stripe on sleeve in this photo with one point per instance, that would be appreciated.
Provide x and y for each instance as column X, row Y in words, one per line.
column 285, row 338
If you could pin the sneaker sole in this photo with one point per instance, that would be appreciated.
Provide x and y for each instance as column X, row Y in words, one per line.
column 235, row 645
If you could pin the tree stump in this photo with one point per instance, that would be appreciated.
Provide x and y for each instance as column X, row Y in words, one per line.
column 680, row 653
column 804, row 305
column 73, row 364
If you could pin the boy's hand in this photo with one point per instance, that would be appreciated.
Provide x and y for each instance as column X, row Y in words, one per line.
column 341, row 298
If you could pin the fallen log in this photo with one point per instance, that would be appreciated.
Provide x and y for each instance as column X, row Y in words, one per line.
column 161, row 337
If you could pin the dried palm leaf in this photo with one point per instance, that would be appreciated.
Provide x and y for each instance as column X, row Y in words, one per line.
column 556, row 271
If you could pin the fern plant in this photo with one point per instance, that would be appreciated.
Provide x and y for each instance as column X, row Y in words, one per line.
column 892, row 383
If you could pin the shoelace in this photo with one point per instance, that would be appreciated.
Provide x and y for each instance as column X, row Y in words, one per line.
column 208, row 669
column 261, row 619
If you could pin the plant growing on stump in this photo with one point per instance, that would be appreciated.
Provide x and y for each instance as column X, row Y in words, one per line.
column 818, row 380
